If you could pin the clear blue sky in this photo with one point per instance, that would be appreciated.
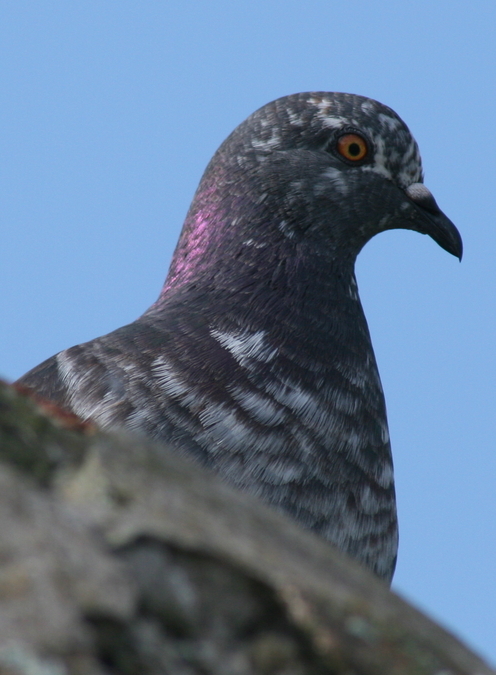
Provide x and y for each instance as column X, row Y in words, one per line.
column 109, row 113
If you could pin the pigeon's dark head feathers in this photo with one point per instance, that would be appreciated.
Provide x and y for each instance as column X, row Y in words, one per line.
column 327, row 170
column 314, row 121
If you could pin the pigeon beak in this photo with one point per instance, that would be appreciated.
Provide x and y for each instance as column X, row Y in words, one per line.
column 432, row 221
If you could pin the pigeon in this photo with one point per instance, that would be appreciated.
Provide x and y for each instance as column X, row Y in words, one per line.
column 256, row 359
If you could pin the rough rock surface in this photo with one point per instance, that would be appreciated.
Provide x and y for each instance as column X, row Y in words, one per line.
column 118, row 557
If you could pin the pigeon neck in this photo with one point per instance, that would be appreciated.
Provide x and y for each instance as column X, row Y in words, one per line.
column 216, row 258
column 265, row 282
column 268, row 225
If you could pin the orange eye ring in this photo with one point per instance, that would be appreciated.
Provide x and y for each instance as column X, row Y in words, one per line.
column 352, row 147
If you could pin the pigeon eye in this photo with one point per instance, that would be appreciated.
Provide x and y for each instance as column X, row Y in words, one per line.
column 352, row 147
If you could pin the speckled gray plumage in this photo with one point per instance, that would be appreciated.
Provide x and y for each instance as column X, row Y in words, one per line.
column 256, row 358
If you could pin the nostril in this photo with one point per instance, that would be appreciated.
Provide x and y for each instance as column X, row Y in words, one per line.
column 422, row 196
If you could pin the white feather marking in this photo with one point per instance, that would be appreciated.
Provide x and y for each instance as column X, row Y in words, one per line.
column 333, row 176
column 255, row 244
column 352, row 441
column 283, row 227
column 385, row 477
column 267, row 143
column 173, row 386
column 297, row 185
column 295, row 119
column 391, row 123
column 103, row 412
column 69, row 373
column 311, row 412
column 216, row 414
column 77, row 380
column 141, row 417
column 262, row 197
column 352, row 292
column 259, row 407
column 289, row 395
column 370, row 503
column 380, row 164
column 245, row 346
column 345, row 402
column 358, row 377
column 324, row 107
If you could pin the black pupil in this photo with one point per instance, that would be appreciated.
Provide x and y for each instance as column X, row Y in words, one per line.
column 354, row 149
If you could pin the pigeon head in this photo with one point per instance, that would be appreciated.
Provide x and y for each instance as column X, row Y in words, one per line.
column 314, row 174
